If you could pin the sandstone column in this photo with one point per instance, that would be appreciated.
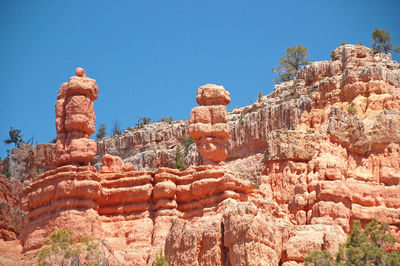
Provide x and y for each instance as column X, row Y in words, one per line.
column 208, row 124
column 75, row 119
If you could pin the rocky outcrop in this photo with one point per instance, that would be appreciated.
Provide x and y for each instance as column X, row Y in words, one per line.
column 301, row 165
column 75, row 119
column 12, row 217
column 114, row 164
column 106, row 202
column 208, row 123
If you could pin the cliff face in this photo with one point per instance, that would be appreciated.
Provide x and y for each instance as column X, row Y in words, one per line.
column 302, row 164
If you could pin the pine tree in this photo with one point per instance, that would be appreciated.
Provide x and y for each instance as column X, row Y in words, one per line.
column 14, row 137
column 179, row 159
column 381, row 41
column 101, row 131
column 296, row 57
column 362, row 247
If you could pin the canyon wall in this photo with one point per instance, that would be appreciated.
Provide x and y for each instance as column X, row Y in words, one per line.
column 301, row 165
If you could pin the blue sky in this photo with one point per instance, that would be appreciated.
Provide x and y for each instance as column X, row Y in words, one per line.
column 149, row 57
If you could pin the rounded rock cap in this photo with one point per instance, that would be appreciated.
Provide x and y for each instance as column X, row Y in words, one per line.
column 80, row 72
column 211, row 94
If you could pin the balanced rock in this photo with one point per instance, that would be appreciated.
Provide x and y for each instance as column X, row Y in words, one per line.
column 208, row 124
column 75, row 119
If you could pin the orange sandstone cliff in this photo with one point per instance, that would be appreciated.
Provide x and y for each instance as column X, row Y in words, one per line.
column 267, row 183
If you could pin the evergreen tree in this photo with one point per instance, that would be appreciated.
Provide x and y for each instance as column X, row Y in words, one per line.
column 179, row 159
column 14, row 137
column 101, row 131
column 362, row 247
column 381, row 41
column 296, row 57
column 259, row 98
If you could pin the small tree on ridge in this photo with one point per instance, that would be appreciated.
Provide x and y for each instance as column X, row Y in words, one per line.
column 101, row 131
column 14, row 137
column 382, row 42
column 296, row 56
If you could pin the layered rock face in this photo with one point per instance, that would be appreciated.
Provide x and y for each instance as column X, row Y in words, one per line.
column 208, row 124
column 75, row 119
column 12, row 217
column 131, row 210
column 301, row 165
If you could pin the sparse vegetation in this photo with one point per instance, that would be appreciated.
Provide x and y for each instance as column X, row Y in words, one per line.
column 310, row 131
column 294, row 85
column 143, row 121
column 179, row 159
column 360, row 44
column 187, row 141
column 116, row 129
column 14, row 137
column 296, row 57
column 241, row 118
column 61, row 249
column 343, row 43
column 260, row 95
column 352, row 110
column 7, row 174
column 165, row 119
column 256, row 181
column 362, row 247
column 101, row 131
column 161, row 260
column 382, row 42
column 53, row 140
column 333, row 55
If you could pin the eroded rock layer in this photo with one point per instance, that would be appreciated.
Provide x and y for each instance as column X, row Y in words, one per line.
column 115, row 206
column 302, row 164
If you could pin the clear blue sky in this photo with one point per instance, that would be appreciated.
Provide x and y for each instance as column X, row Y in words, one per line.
column 149, row 57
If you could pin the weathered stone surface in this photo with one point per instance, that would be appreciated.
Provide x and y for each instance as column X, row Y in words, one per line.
column 208, row 123
column 114, row 164
column 250, row 237
column 110, row 204
column 75, row 119
column 299, row 240
column 301, row 166
column 12, row 217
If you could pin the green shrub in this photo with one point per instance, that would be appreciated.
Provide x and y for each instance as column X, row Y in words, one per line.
column 362, row 247
column 187, row 141
column 310, row 131
column 161, row 260
column 352, row 110
column 165, row 119
column 179, row 159
column 7, row 174
column 333, row 55
column 61, row 250
column 101, row 131
column 241, row 118
column 260, row 95
column 343, row 43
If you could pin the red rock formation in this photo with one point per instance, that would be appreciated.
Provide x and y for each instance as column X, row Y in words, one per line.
column 75, row 119
column 209, row 123
column 301, row 167
column 12, row 218
column 114, row 164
